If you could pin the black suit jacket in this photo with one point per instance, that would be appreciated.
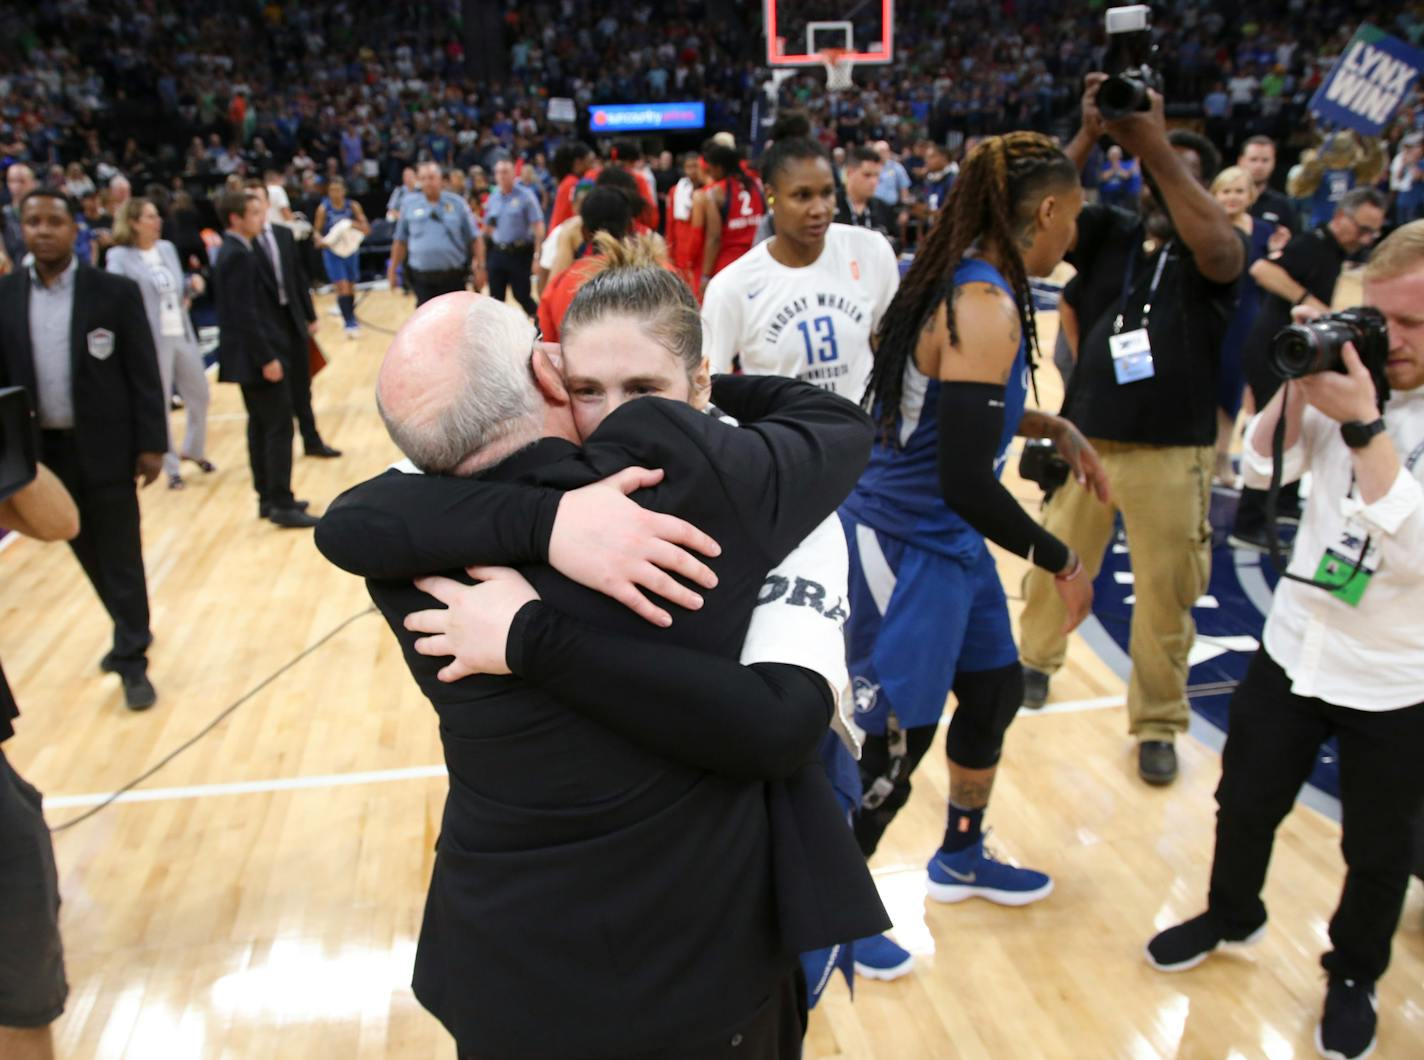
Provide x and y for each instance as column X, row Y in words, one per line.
column 299, row 305
column 251, row 331
column 591, row 896
column 120, row 409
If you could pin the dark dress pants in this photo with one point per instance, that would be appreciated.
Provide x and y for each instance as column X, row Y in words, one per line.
column 510, row 270
column 299, row 379
column 109, row 548
column 269, row 441
column 1272, row 740
column 434, row 283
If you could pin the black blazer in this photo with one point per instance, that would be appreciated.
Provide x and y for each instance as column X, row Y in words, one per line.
column 591, row 896
column 294, row 278
column 120, row 409
column 250, row 331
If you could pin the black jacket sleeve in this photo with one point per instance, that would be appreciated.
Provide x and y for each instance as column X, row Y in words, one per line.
column 796, row 456
column 400, row 526
column 749, row 722
column 148, row 405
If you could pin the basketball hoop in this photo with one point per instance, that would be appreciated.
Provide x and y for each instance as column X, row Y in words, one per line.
column 839, row 68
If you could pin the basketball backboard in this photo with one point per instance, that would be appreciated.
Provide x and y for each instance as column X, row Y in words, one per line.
column 798, row 31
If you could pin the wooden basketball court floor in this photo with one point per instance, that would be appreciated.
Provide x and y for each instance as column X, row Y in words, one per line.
column 260, row 896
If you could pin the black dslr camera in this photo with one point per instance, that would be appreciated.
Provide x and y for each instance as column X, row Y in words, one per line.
column 1041, row 463
column 1305, row 349
column 1128, row 63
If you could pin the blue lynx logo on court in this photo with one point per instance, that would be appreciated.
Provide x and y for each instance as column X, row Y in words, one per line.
column 1369, row 83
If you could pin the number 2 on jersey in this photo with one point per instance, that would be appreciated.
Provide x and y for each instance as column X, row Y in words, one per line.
column 823, row 347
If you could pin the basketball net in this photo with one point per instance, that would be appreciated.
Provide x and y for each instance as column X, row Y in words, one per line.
column 839, row 68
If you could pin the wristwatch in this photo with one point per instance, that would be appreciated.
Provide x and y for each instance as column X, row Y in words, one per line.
column 1357, row 435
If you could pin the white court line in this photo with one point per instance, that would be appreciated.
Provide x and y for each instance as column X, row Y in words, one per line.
column 248, row 787
column 386, row 776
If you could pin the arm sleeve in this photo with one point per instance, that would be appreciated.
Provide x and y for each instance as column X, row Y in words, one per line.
column 752, row 722
column 397, row 526
column 971, row 422
column 1256, row 469
column 1398, row 518
column 721, row 325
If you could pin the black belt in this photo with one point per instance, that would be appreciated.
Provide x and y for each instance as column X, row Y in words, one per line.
column 513, row 248
column 458, row 270
column 57, row 433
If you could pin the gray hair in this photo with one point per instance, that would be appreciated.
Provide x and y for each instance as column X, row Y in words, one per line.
column 495, row 408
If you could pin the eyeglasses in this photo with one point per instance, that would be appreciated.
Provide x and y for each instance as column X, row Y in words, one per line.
column 1365, row 230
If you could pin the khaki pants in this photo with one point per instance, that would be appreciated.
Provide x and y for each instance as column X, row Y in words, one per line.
column 1164, row 494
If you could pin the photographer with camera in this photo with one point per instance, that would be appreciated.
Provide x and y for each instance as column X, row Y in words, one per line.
column 1154, row 296
column 1304, row 273
column 1342, row 656
column 32, row 984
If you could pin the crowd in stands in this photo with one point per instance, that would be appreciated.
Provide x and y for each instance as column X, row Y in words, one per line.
column 190, row 97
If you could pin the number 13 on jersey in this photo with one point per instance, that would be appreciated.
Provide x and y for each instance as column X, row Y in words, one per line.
column 819, row 335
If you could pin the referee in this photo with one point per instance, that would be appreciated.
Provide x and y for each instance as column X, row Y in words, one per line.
column 436, row 237
column 514, row 223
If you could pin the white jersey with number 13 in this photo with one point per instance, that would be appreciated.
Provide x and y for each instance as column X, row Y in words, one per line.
column 812, row 323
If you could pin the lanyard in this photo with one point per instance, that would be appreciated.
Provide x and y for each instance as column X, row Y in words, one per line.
column 1151, row 291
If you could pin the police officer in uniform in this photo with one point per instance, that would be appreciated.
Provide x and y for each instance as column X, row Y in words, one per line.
column 514, row 222
column 78, row 339
column 436, row 237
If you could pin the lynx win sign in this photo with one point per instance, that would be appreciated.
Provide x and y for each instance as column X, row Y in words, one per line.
column 1369, row 83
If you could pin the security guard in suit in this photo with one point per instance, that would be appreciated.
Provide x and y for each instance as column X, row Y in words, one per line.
column 78, row 339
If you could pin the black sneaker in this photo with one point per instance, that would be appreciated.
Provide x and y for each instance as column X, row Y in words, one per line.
column 293, row 518
column 1157, row 761
column 1035, row 693
column 264, row 510
column 1191, row 942
column 139, row 693
column 1255, row 541
column 1347, row 1028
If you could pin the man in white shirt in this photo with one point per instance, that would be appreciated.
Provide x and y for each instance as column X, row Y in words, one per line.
column 279, row 205
column 1347, row 662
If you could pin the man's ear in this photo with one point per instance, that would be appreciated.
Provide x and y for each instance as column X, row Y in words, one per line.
column 546, row 364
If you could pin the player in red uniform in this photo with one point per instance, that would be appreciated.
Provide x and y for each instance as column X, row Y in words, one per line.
column 684, row 239
column 733, row 205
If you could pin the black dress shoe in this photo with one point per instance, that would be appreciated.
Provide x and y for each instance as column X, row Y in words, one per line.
column 1157, row 761
column 293, row 518
column 264, row 510
column 321, row 449
column 139, row 693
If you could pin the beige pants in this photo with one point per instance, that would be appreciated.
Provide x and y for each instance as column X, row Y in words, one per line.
column 1164, row 494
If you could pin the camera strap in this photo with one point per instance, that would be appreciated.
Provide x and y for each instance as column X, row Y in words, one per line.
column 1338, row 586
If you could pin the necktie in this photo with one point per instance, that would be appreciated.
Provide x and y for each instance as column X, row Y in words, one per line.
column 270, row 243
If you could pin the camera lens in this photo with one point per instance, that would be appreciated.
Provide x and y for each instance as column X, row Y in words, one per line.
column 1305, row 349
column 1120, row 96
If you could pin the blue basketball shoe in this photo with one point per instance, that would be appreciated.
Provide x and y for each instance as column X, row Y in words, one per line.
column 879, row 958
column 974, row 872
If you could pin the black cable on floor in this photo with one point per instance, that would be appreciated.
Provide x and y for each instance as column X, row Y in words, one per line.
column 210, row 726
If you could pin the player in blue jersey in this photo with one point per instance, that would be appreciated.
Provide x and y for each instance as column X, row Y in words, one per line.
column 928, row 613
column 342, row 270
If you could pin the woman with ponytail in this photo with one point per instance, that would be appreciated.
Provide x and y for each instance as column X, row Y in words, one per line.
column 952, row 365
column 728, row 209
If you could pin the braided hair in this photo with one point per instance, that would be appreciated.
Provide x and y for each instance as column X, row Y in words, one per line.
column 998, row 189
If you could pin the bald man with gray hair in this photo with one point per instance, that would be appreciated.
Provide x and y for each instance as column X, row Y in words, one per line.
column 603, row 884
